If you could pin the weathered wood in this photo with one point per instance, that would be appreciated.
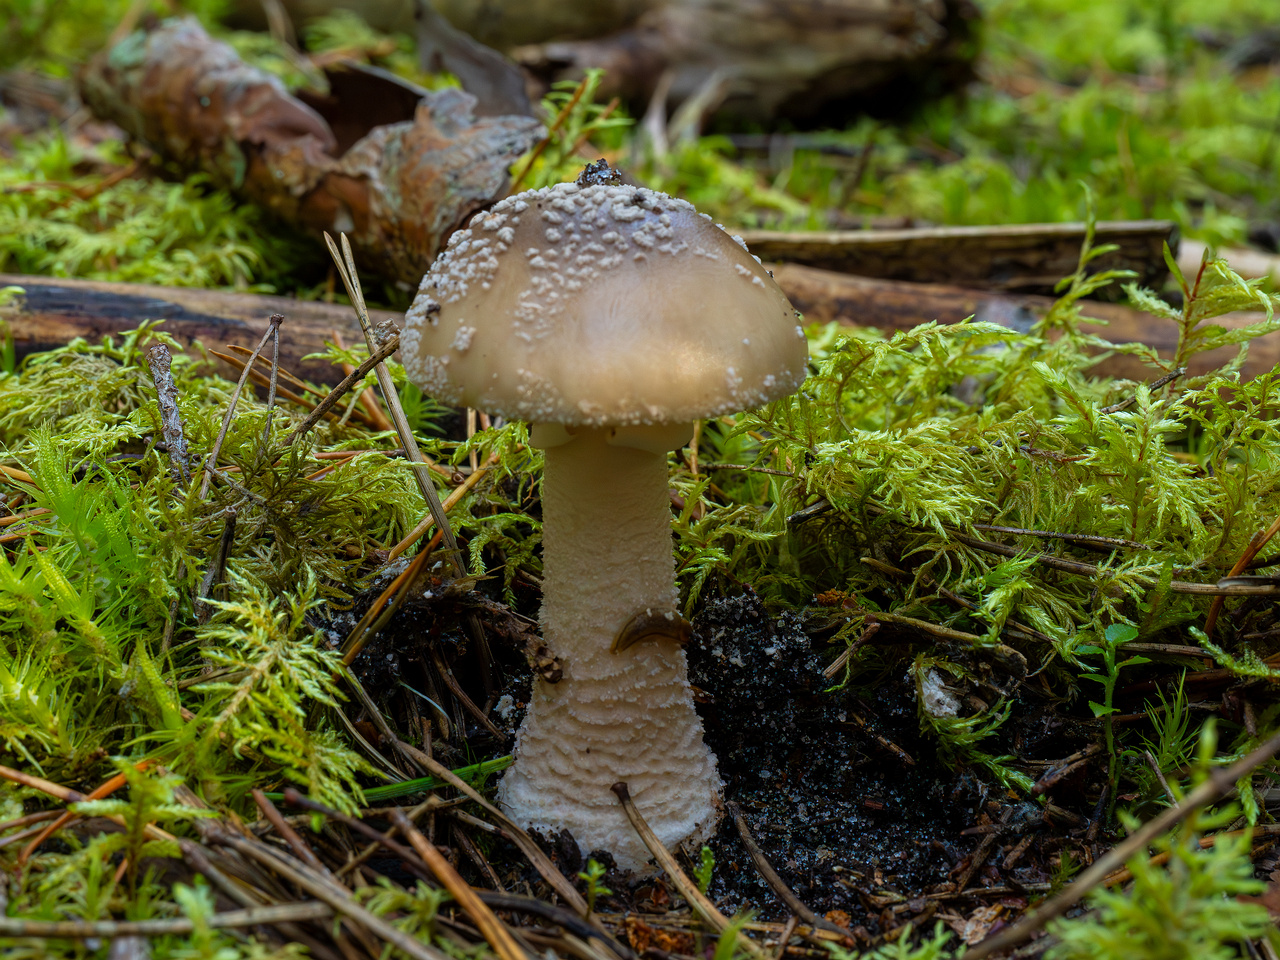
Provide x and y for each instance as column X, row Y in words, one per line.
column 824, row 295
column 1019, row 258
column 1248, row 263
column 55, row 311
column 813, row 62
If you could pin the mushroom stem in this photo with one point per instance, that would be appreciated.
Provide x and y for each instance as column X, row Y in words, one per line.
column 607, row 556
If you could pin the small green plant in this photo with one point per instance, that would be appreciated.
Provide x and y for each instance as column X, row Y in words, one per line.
column 906, row 947
column 572, row 117
column 705, row 868
column 1108, row 646
column 1189, row 908
column 592, row 876
column 413, row 911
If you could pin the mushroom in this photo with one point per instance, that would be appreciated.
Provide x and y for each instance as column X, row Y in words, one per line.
column 611, row 318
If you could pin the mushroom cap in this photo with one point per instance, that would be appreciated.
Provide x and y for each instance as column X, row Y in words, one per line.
column 598, row 306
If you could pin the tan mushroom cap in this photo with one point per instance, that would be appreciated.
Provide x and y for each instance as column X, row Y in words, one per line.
column 601, row 305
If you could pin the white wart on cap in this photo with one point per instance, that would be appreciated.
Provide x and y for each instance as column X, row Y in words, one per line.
column 601, row 305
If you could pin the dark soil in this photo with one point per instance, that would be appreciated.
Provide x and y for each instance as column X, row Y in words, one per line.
column 848, row 801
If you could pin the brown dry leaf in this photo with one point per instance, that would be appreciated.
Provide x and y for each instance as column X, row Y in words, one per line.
column 978, row 924
column 1269, row 898
column 395, row 167
column 643, row 937
column 839, row 918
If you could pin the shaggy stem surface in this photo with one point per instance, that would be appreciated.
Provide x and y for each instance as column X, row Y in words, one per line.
column 627, row 716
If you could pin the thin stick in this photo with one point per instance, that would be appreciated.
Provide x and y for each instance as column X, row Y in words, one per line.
column 340, row 902
column 840, row 662
column 105, row 789
column 541, row 862
column 211, row 461
column 1255, row 546
column 290, row 836
column 450, row 502
column 455, row 688
column 1071, row 537
column 776, row 883
column 197, row 858
column 411, row 860
column 368, row 398
column 347, row 382
column 785, row 937
column 12, row 473
column 108, row 929
column 688, row 889
column 213, row 575
column 275, row 368
column 1090, row 570
column 347, row 271
column 545, row 141
column 1218, row 784
column 296, row 381
column 493, row 930
column 1154, row 385
column 65, row 794
column 386, row 604
column 1258, row 830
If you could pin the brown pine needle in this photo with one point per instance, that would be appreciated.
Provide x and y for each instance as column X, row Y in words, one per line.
column 518, row 179
column 383, row 607
column 13, row 473
column 450, row 502
column 493, row 929
column 104, row 790
column 1255, row 546
column 281, row 371
column 688, row 889
column 368, row 398
column 262, row 380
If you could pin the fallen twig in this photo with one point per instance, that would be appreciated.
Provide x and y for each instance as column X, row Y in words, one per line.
column 161, row 363
column 776, row 883
column 1217, row 785
column 493, row 930
column 688, row 889
column 109, row 929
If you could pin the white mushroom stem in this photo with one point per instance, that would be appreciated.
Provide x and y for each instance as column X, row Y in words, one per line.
column 626, row 716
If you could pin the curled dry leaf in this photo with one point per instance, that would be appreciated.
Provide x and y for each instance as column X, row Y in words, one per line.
column 395, row 167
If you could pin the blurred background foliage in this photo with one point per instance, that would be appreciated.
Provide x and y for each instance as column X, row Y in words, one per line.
column 1164, row 108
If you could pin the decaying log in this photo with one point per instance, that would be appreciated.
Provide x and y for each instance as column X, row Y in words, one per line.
column 813, row 62
column 55, row 311
column 1248, row 263
column 808, row 61
column 823, row 296
column 403, row 169
column 1019, row 258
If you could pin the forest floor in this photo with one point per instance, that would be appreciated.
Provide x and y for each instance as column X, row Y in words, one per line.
column 1013, row 608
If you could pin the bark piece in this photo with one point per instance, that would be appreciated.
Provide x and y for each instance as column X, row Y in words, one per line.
column 1020, row 258
column 398, row 191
